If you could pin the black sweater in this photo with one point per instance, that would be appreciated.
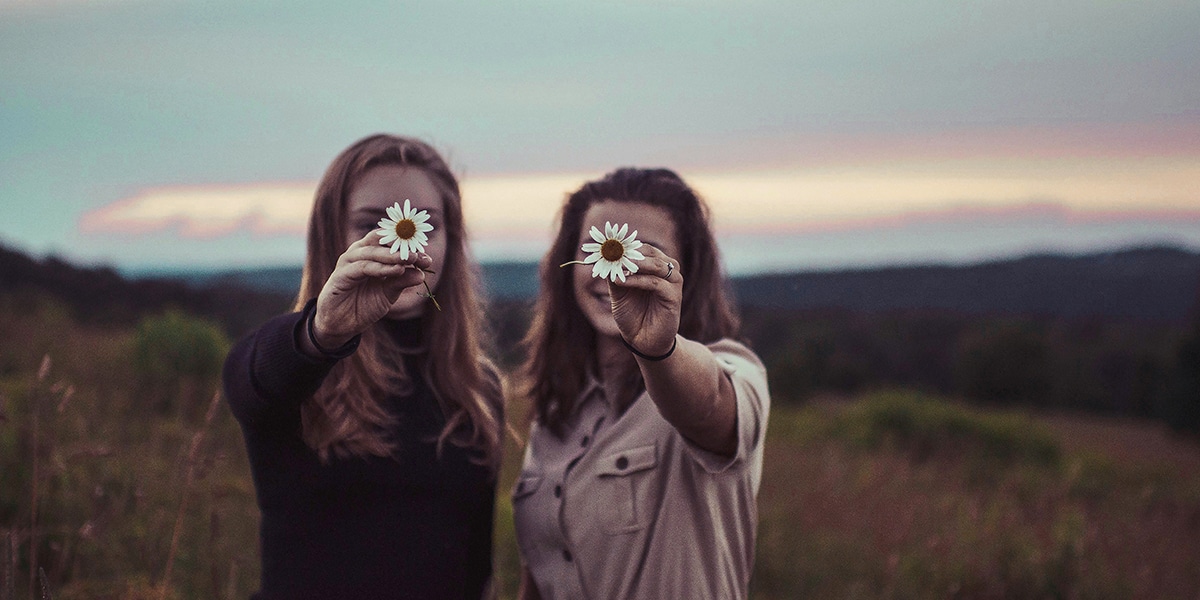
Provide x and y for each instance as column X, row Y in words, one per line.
column 412, row 526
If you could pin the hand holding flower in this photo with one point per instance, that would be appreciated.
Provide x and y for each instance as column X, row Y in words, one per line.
column 645, row 288
column 646, row 304
column 369, row 276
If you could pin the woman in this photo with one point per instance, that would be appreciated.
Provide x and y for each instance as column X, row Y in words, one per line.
column 644, row 460
column 372, row 419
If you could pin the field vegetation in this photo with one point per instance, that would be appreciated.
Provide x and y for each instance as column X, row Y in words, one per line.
column 897, row 466
column 130, row 482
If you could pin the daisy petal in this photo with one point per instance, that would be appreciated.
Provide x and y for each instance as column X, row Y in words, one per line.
column 403, row 250
column 623, row 230
column 596, row 235
column 407, row 209
column 599, row 269
column 388, row 237
column 591, row 258
column 590, row 247
column 617, row 272
column 629, row 264
column 394, row 213
column 633, row 244
column 396, row 245
column 634, row 254
column 424, row 227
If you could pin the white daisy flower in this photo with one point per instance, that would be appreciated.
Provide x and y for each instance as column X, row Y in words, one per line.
column 613, row 252
column 405, row 229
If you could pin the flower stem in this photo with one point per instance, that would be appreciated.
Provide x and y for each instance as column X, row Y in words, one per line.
column 429, row 293
column 572, row 262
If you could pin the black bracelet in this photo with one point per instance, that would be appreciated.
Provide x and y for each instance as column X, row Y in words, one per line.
column 341, row 351
column 674, row 343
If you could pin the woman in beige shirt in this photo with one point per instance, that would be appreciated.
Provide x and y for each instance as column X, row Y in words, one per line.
column 645, row 455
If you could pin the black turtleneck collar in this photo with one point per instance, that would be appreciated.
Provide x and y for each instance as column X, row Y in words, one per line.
column 408, row 334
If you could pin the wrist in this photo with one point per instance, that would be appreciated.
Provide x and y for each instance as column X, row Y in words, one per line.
column 322, row 347
column 656, row 356
column 320, row 336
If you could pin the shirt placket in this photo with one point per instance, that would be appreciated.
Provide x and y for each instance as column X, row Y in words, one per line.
column 593, row 415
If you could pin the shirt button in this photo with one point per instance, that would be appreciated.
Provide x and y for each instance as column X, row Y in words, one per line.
column 622, row 462
column 567, row 556
column 558, row 491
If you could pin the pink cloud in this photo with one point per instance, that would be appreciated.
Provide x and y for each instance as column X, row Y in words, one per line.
column 206, row 212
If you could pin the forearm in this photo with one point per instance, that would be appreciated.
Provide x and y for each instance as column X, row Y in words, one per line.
column 694, row 395
column 267, row 368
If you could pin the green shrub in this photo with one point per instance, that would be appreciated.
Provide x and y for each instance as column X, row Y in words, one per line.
column 925, row 427
column 178, row 358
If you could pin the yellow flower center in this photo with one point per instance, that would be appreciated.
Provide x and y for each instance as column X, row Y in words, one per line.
column 612, row 250
column 406, row 229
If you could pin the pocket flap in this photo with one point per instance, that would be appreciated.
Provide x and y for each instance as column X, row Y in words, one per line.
column 526, row 485
column 629, row 461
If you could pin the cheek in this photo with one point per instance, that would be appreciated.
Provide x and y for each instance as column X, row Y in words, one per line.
column 581, row 279
column 436, row 249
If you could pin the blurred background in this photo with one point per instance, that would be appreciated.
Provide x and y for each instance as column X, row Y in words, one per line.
column 965, row 238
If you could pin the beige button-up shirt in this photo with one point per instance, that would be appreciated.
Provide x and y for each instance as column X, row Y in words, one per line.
column 624, row 507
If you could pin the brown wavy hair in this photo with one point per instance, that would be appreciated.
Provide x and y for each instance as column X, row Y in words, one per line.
column 345, row 416
column 560, row 344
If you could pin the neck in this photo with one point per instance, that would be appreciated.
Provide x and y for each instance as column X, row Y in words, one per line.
column 616, row 368
column 610, row 354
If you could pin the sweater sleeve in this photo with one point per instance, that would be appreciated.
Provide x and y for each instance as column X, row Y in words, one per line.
column 267, row 372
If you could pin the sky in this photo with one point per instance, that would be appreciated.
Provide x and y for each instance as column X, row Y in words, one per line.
column 824, row 134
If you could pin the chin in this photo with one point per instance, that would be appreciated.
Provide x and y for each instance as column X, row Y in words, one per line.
column 604, row 327
column 406, row 310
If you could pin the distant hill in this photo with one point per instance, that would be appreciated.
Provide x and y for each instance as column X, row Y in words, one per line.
column 1155, row 283
column 505, row 281
column 1102, row 332
column 104, row 296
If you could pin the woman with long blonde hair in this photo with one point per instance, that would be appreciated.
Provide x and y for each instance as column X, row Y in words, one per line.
column 371, row 415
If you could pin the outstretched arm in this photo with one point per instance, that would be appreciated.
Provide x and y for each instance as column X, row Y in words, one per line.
column 689, row 387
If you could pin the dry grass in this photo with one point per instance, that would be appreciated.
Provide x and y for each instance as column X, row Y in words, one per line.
column 838, row 521
column 846, row 511
column 98, row 476
column 840, row 518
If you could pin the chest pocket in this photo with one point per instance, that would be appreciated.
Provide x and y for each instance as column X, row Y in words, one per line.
column 628, row 487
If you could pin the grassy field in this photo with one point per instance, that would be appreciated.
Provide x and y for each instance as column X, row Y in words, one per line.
column 896, row 495
column 129, row 486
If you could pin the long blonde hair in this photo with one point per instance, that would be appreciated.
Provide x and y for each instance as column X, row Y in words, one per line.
column 345, row 416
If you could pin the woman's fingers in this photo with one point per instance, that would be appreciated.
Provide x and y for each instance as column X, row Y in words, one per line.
column 657, row 272
column 655, row 275
column 361, row 250
column 646, row 305
column 394, row 277
column 658, row 263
